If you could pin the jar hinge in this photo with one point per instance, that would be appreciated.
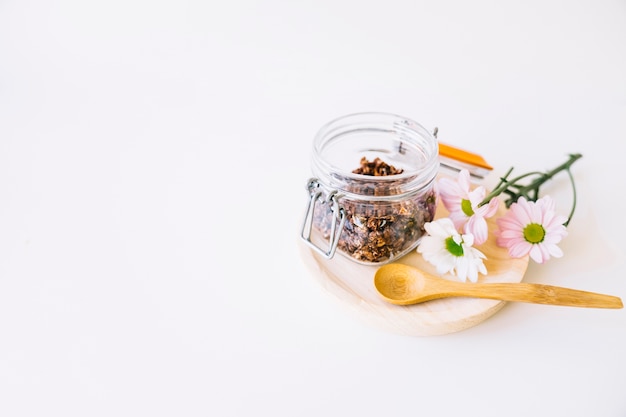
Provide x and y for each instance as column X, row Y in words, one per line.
column 338, row 218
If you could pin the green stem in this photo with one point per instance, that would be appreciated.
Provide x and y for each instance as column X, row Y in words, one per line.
column 523, row 191
column 505, row 184
column 515, row 190
column 571, row 213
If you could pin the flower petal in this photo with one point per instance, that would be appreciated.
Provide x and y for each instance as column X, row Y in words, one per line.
column 434, row 250
column 477, row 226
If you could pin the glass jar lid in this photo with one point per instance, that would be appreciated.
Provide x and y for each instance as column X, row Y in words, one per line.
column 399, row 141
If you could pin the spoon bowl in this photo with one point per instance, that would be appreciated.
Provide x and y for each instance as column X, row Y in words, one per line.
column 402, row 284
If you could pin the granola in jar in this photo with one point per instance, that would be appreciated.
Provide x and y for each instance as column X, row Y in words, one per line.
column 378, row 231
column 372, row 189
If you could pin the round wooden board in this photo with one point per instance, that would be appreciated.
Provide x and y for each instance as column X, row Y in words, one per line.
column 353, row 285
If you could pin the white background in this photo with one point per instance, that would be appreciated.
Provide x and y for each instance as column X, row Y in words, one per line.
column 153, row 162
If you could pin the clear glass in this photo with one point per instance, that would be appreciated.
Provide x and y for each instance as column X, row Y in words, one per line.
column 385, row 215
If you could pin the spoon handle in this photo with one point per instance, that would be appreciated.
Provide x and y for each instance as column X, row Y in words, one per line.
column 538, row 294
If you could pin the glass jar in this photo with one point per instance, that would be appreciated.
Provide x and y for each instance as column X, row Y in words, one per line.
column 371, row 217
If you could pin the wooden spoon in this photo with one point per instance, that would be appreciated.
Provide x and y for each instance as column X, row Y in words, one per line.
column 403, row 285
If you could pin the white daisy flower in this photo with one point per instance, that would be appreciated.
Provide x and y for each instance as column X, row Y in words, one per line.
column 451, row 252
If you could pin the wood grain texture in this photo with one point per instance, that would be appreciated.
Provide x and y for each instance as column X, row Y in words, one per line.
column 352, row 285
column 402, row 284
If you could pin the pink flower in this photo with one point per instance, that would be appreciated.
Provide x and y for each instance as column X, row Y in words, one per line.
column 532, row 228
column 463, row 205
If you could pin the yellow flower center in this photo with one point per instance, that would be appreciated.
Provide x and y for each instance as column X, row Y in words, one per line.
column 534, row 233
column 453, row 247
column 466, row 206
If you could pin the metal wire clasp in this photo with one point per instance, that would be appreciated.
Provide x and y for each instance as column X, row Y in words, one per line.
column 339, row 216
